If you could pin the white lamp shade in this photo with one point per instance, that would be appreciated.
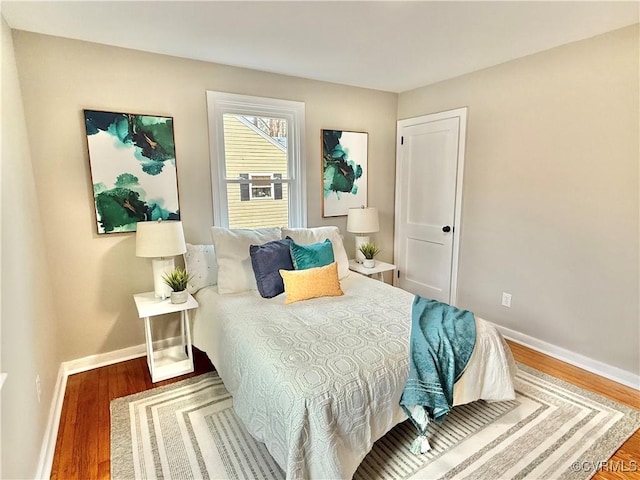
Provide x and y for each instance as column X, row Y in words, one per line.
column 363, row 220
column 160, row 239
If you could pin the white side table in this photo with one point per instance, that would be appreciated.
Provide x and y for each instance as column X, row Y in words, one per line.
column 378, row 270
column 172, row 361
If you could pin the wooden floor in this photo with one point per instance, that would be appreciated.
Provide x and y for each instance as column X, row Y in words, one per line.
column 83, row 448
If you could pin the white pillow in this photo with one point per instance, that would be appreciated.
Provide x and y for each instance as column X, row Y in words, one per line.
column 200, row 262
column 307, row 236
column 235, row 273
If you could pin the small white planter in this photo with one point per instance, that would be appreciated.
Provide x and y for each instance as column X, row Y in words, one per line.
column 179, row 297
column 368, row 263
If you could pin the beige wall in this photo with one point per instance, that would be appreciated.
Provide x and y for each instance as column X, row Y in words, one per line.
column 550, row 208
column 550, row 200
column 96, row 275
column 29, row 325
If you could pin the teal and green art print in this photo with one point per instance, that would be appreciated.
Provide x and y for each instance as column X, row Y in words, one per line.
column 344, row 171
column 133, row 169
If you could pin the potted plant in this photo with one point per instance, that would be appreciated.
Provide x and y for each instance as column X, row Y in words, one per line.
column 177, row 281
column 369, row 250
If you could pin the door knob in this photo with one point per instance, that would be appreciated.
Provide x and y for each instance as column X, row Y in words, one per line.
column 446, row 229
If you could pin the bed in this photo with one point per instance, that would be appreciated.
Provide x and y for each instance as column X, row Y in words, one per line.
column 319, row 381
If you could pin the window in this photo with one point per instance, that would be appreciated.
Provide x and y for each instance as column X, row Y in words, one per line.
column 256, row 162
column 260, row 187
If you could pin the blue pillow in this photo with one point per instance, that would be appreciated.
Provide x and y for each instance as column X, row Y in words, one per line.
column 311, row 256
column 267, row 259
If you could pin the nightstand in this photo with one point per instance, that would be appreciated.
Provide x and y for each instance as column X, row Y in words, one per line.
column 171, row 361
column 378, row 270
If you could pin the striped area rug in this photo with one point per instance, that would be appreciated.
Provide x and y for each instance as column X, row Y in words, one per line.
column 552, row 430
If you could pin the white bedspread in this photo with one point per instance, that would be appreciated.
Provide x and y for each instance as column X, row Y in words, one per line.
column 319, row 381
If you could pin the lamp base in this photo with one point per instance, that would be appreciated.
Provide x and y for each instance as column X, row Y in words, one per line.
column 360, row 240
column 161, row 267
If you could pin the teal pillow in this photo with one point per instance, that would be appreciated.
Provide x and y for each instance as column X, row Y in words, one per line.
column 311, row 256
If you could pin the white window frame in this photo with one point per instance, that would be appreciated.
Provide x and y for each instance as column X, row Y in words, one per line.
column 221, row 103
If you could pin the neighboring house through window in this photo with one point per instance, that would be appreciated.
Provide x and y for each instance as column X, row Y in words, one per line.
column 256, row 162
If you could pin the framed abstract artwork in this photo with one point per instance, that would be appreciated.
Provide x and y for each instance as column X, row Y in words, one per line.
column 133, row 169
column 344, row 171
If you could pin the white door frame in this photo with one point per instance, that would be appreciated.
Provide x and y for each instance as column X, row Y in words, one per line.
column 460, row 113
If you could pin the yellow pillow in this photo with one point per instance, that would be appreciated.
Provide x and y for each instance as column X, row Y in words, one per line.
column 311, row 283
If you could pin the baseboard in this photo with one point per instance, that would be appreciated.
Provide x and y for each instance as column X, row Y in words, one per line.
column 103, row 359
column 45, row 461
column 616, row 374
column 71, row 367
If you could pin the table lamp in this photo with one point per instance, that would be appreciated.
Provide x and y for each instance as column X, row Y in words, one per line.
column 161, row 241
column 362, row 221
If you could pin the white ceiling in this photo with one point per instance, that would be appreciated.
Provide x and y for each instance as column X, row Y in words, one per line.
column 385, row 45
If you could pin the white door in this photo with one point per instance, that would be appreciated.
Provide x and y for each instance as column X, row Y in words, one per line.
column 429, row 170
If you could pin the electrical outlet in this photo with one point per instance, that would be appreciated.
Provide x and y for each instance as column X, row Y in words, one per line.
column 38, row 387
column 506, row 299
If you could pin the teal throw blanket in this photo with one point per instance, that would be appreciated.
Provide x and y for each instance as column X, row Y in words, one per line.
column 441, row 344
